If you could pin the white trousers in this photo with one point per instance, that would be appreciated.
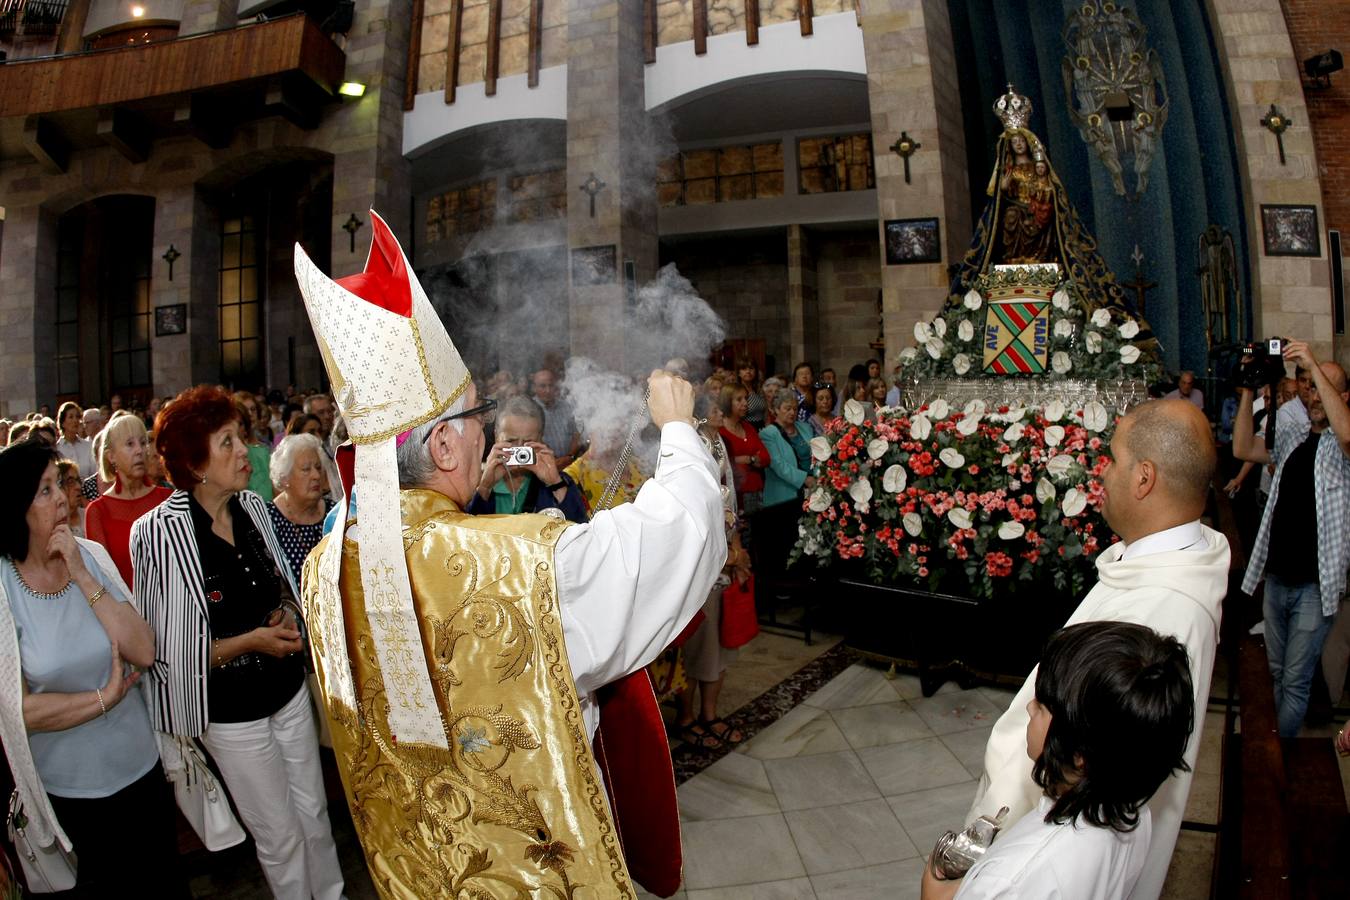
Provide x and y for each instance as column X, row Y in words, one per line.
column 271, row 768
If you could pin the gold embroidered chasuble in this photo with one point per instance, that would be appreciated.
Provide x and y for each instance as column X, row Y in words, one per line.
column 513, row 808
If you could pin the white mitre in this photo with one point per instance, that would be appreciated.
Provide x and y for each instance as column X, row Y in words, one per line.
column 393, row 367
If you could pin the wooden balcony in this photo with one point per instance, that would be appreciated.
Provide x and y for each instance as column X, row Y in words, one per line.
column 201, row 84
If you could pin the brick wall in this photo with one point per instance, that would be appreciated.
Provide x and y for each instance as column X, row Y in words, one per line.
column 849, row 279
column 744, row 279
column 1314, row 27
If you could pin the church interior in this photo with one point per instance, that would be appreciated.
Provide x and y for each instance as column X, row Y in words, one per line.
column 839, row 181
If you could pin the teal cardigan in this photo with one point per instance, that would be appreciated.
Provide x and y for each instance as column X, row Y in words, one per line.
column 782, row 479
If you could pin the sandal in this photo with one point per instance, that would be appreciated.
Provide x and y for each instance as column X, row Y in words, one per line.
column 699, row 737
column 724, row 731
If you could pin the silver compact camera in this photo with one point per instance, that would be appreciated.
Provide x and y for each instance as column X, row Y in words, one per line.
column 956, row 853
column 519, row 456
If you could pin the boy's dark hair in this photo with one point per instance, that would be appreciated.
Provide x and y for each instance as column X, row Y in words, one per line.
column 1122, row 709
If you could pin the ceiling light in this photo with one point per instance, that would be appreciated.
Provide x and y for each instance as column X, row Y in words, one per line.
column 352, row 89
column 137, row 12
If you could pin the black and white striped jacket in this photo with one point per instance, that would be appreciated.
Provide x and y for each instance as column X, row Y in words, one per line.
column 171, row 595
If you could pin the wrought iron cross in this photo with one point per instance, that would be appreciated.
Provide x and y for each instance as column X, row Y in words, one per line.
column 1139, row 285
column 905, row 146
column 171, row 256
column 592, row 186
column 350, row 227
column 1276, row 123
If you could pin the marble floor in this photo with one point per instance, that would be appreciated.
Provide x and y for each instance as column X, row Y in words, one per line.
column 844, row 795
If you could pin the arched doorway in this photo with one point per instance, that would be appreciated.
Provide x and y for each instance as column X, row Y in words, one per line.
column 103, row 314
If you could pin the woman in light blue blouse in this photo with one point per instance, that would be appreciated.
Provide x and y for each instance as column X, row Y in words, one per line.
column 83, row 755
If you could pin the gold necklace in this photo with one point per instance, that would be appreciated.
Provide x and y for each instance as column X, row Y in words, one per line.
column 41, row 595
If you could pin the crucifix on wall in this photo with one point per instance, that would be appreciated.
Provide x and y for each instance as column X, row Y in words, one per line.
column 1139, row 285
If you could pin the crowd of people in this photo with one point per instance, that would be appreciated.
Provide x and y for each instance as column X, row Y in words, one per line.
column 185, row 526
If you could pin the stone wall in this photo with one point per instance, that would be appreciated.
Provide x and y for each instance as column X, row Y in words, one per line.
column 360, row 140
column 1291, row 295
column 745, row 280
column 848, row 282
column 1314, row 27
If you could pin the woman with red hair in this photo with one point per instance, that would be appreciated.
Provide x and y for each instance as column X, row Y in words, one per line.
column 213, row 582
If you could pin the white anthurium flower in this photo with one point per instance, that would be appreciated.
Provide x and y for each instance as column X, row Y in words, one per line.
column 1053, row 411
column 966, row 330
column 1063, row 328
column 973, row 300
column 819, row 501
column 1061, row 300
column 1074, row 502
column 913, row 524
column 968, row 425
column 1129, row 354
column 877, row 447
column 861, row 492
column 975, row 407
column 1009, row 459
column 952, row 457
column 939, row 409
column 960, row 517
column 935, row 348
column 1129, row 330
column 920, row 428
column 1054, row 435
column 820, row 448
column 854, row 412
column 1095, row 416
column 1060, row 362
column 1059, row 466
column 1016, row 413
column 1092, row 340
column 1011, row 531
column 1101, row 318
column 922, row 333
column 1045, row 490
column 940, row 327
column 908, row 355
column 895, row 478
column 1013, row 433
column 961, row 362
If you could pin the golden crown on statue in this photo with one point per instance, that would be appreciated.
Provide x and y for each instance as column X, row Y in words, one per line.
column 1013, row 109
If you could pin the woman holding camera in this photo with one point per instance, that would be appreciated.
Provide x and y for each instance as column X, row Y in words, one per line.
column 229, row 669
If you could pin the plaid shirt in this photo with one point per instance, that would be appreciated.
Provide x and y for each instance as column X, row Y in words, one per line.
column 1331, row 481
column 559, row 426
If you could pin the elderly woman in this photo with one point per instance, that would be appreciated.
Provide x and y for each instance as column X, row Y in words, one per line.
column 68, row 478
column 71, row 445
column 122, row 461
column 299, row 506
column 229, row 669
column 785, row 478
column 705, row 659
column 78, row 736
column 825, row 404
column 770, row 389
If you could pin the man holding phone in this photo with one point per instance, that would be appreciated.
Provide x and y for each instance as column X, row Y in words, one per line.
column 1304, row 578
column 521, row 473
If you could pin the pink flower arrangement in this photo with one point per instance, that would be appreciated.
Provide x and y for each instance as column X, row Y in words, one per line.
column 973, row 500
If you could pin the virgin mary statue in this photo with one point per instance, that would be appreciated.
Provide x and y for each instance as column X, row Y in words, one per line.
column 1029, row 220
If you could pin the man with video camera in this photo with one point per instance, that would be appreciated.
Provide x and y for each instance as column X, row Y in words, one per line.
column 1304, row 578
column 521, row 474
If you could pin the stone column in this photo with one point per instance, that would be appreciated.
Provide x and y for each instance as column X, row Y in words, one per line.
column 369, row 170
column 803, row 302
column 1291, row 296
column 170, row 355
column 608, row 135
column 912, row 86
column 27, row 344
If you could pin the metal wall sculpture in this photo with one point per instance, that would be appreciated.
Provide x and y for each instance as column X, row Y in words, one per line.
column 1116, row 90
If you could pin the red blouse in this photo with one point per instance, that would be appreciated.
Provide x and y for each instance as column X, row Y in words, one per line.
column 108, row 521
column 749, row 479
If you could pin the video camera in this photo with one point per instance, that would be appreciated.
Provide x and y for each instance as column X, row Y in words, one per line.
column 1263, row 363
